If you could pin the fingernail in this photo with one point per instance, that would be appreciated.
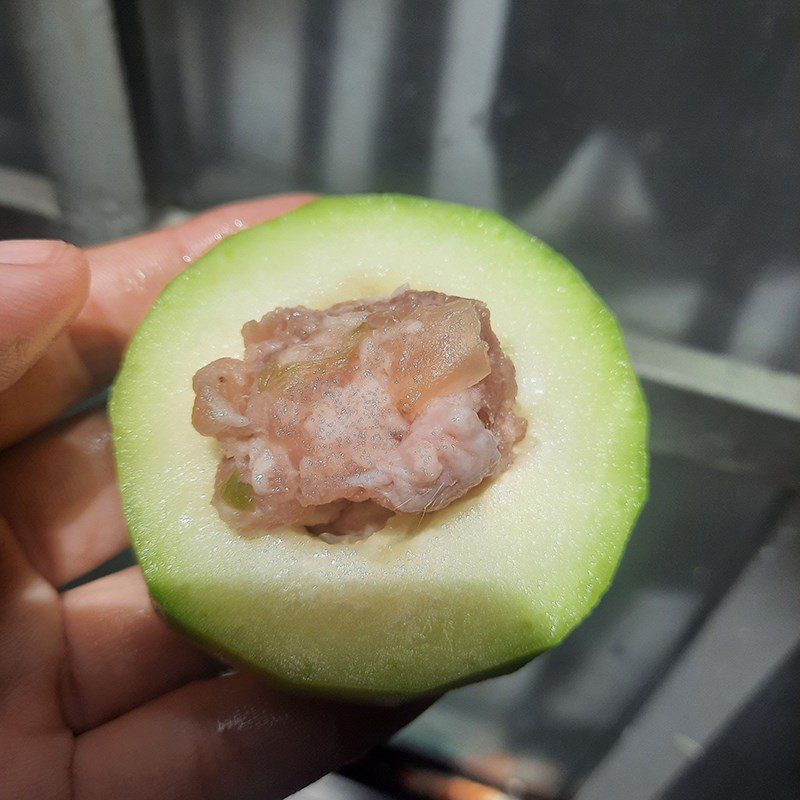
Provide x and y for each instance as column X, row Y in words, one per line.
column 27, row 251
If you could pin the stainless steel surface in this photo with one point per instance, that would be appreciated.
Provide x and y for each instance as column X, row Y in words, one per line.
column 743, row 642
column 654, row 144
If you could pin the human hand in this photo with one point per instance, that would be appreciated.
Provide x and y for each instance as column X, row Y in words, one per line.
column 98, row 697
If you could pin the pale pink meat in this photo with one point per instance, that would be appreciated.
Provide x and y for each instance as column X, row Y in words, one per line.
column 338, row 419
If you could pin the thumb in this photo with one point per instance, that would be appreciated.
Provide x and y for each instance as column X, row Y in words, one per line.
column 43, row 285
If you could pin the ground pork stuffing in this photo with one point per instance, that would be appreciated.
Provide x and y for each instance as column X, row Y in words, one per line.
column 339, row 419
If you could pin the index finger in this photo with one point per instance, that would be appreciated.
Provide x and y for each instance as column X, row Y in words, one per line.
column 126, row 277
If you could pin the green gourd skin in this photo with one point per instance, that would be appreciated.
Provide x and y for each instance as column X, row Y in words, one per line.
column 425, row 604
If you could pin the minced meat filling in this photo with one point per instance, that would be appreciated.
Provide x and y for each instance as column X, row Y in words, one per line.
column 338, row 419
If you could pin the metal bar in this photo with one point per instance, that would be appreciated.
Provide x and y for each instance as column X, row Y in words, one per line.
column 742, row 643
column 360, row 61
column 718, row 377
column 169, row 143
column 264, row 121
column 734, row 416
column 473, row 53
column 29, row 192
column 70, row 58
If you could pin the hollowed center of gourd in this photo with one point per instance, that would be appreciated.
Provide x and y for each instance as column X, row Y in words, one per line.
column 338, row 419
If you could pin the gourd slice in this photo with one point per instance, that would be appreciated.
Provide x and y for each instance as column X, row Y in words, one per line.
column 430, row 601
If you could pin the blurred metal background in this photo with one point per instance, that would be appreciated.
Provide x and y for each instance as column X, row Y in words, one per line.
column 656, row 145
